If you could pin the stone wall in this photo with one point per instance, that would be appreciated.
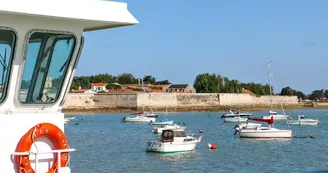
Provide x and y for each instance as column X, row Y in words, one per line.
column 173, row 100
column 229, row 99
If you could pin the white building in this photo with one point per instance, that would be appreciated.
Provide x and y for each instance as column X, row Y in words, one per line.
column 96, row 87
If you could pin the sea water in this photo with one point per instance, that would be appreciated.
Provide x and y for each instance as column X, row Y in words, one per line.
column 105, row 144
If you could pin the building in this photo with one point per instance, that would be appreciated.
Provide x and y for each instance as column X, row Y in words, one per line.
column 181, row 88
column 48, row 83
column 96, row 87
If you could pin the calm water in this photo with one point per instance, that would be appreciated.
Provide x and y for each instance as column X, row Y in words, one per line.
column 105, row 144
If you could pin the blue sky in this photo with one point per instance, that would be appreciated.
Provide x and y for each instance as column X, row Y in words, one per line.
column 179, row 39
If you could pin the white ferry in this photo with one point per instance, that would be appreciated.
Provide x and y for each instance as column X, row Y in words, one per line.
column 40, row 45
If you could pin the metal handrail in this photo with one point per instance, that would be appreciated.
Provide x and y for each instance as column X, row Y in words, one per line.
column 47, row 152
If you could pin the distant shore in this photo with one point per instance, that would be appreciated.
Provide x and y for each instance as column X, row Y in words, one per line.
column 182, row 109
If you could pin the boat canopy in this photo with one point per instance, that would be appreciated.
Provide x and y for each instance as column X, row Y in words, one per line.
column 270, row 121
column 91, row 14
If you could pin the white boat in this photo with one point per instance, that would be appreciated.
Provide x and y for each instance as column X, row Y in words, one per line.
column 272, row 113
column 265, row 132
column 235, row 120
column 162, row 122
column 138, row 118
column 175, row 127
column 275, row 115
column 40, row 45
column 236, row 114
column 303, row 120
column 70, row 118
column 173, row 141
column 258, row 131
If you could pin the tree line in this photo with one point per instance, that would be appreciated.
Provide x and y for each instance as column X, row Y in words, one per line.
column 204, row 83
column 125, row 78
column 215, row 83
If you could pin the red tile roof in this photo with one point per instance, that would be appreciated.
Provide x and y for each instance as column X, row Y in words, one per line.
column 98, row 84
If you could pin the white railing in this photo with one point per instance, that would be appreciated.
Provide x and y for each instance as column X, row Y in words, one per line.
column 36, row 154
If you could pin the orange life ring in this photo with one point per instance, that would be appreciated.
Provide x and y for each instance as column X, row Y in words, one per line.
column 44, row 129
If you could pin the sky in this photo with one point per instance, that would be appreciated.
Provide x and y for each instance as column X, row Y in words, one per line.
column 179, row 39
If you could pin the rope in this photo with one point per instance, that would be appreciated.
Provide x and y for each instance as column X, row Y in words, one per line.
column 283, row 110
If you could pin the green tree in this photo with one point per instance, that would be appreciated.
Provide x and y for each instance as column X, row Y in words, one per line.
column 316, row 95
column 287, row 91
column 113, row 86
column 300, row 95
column 82, row 81
column 163, row 82
column 149, row 80
column 206, row 83
column 126, row 78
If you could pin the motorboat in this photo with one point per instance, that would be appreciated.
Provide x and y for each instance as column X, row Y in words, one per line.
column 139, row 118
column 175, row 127
column 164, row 121
column 40, row 45
column 236, row 114
column 146, row 114
column 258, row 131
column 303, row 120
column 275, row 115
column 235, row 119
column 173, row 141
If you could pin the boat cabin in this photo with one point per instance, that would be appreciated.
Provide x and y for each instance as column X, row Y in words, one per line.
column 169, row 135
column 40, row 45
column 273, row 113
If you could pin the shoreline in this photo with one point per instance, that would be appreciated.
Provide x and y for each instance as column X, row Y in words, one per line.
column 180, row 109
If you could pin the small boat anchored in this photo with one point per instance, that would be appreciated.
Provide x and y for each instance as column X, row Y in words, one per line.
column 236, row 114
column 175, row 127
column 235, row 120
column 173, row 141
column 257, row 131
column 303, row 120
column 138, row 118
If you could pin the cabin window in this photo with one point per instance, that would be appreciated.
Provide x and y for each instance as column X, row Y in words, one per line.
column 7, row 45
column 46, row 62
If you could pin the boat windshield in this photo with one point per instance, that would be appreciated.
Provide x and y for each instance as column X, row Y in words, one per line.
column 7, row 45
column 46, row 62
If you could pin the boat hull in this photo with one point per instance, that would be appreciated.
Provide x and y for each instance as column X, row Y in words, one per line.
column 171, row 147
column 160, row 130
column 162, row 123
column 143, row 119
column 265, row 133
column 276, row 117
column 235, row 120
column 304, row 123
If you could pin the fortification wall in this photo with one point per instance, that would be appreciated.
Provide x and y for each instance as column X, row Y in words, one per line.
column 173, row 100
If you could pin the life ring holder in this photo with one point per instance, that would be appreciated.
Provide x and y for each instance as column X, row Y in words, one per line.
column 42, row 130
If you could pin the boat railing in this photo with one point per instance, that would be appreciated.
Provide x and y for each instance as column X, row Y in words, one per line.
column 37, row 154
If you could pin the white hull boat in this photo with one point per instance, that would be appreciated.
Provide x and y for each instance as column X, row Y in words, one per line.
column 275, row 116
column 235, row 120
column 303, row 120
column 173, row 141
column 162, row 122
column 138, row 119
column 236, row 114
column 265, row 132
column 174, row 127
